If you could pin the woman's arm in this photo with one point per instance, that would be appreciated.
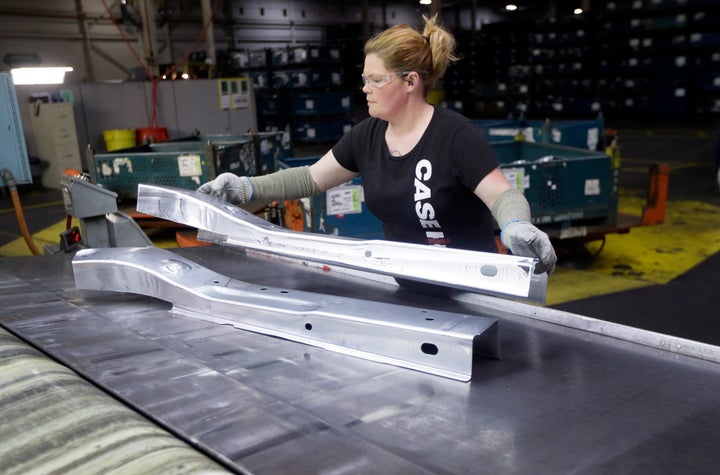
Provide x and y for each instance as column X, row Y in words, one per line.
column 327, row 172
column 491, row 187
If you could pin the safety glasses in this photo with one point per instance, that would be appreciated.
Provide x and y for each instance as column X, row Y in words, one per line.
column 376, row 81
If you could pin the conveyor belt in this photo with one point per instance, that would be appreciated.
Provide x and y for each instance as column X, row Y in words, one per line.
column 561, row 401
column 53, row 421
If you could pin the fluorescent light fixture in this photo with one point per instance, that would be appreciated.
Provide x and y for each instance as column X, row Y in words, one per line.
column 511, row 7
column 578, row 11
column 39, row 75
column 425, row 2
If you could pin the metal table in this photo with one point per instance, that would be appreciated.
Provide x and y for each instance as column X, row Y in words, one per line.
column 562, row 400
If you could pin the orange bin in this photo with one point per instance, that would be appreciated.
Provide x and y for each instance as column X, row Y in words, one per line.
column 151, row 135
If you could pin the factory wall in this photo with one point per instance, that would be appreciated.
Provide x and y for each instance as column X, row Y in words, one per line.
column 183, row 107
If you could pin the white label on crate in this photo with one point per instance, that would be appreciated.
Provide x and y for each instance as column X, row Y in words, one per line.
column 716, row 81
column 592, row 187
column 122, row 162
column 573, row 232
column 309, row 105
column 346, row 199
column 517, row 178
column 106, row 169
column 189, row 165
column 593, row 137
column 503, row 132
column 345, row 102
column 307, row 212
column 556, row 135
column 310, row 133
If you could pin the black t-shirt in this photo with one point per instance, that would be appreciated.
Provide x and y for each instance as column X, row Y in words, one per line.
column 426, row 196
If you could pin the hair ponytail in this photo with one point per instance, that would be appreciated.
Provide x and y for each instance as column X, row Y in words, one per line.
column 403, row 48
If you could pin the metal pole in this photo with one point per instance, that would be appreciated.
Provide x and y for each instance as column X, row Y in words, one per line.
column 149, row 36
column 210, row 34
column 81, row 19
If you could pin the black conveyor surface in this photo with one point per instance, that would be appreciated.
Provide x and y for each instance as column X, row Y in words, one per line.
column 560, row 401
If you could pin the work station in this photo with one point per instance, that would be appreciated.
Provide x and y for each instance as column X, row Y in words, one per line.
column 205, row 261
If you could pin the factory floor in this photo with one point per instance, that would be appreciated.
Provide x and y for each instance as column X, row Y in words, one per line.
column 662, row 278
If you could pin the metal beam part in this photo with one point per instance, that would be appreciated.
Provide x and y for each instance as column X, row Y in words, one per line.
column 223, row 223
column 436, row 342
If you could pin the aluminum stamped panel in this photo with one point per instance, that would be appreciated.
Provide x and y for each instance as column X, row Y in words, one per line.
column 560, row 401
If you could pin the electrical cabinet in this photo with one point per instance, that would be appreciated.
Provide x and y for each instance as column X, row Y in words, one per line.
column 56, row 141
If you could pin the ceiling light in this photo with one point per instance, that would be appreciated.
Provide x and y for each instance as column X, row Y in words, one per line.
column 511, row 7
column 39, row 75
column 578, row 11
column 425, row 2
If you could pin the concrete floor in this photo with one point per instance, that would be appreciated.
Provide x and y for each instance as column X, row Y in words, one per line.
column 662, row 278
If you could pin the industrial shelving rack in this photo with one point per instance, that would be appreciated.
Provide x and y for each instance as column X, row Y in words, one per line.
column 659, row 57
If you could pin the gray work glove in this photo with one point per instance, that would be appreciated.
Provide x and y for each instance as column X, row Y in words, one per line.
column 229, row 187
column 524, row 239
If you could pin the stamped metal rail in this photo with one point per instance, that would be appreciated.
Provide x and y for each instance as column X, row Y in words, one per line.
column 223, row 223
column 441, row 343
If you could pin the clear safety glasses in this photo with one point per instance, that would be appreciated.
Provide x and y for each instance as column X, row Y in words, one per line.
column 376, row 81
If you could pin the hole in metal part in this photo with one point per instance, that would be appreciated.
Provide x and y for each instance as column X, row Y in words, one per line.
column 368, row 253
column 216, row 281
column 263, row 288
column 284, row 292
column 429, row 348
column 429, row 319
column 490, row 271
column 308, row 326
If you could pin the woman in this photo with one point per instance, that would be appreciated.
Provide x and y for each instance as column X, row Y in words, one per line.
column 429, row 174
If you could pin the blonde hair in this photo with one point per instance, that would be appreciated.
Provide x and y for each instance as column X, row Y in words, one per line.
column 403, row 48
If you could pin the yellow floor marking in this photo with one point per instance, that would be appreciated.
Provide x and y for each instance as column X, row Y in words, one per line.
column 35, row 206
column 51, row 236
column 567, row 284
column 647, row 255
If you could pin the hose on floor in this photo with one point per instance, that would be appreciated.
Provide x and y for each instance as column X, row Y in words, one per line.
column 7, row 176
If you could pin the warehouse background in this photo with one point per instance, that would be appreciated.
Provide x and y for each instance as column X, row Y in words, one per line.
column 649, row 60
